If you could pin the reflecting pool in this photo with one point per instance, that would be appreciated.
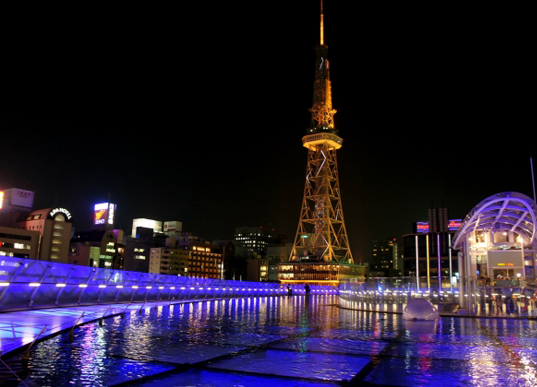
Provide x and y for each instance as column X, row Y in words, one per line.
column 283, row 341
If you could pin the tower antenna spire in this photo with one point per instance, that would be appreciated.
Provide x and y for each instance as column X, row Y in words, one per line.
column 322, row 25
column 322, row 112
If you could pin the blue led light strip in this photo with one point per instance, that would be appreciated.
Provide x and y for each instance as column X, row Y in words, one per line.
column 28, row 283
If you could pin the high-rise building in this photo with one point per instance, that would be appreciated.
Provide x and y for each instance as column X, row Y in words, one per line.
column 254, row 239
column 205, row 259
column 169, row 260
column 321, row 251
column 384, row 257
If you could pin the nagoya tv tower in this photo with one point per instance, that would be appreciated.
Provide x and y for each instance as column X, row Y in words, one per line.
column 321, row 250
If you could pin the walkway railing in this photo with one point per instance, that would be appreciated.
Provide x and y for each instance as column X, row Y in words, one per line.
column 32, row 284
column 464, row 296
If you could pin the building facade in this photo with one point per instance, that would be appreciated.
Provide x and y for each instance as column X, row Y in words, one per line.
column 498, row 238
column 96, row 248
column 385, row 258
column 429, row 251
column 19, row 243
column 138, row 250
column 254, row 239
column 275, row 255
column 168, row 260
column 54, row 226
column 205, row 260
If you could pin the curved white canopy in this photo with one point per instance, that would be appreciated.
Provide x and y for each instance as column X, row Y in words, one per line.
column 505, row 211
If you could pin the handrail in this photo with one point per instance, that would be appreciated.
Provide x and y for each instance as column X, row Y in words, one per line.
column 33, row 284
column 463, row 296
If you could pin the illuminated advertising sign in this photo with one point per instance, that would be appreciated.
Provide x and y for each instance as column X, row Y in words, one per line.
column 1, row 199
column 173, row 226
column 111, row 213
column 59, row 211
column 100, row 212
column 104, row 213
column 422, row 227
column 19, row 197
column 454, row 224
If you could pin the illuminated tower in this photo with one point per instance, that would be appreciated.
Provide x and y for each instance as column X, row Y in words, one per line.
column 321, row 250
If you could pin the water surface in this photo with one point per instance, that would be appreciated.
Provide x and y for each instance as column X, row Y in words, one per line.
column 284, row 341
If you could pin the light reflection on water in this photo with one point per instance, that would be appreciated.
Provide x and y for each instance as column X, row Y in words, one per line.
column 308, row 341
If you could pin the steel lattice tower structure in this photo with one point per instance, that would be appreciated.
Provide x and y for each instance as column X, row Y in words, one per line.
column 321, row 246
column 321, row 233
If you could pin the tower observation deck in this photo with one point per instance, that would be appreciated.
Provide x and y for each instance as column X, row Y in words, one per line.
column 321, row 252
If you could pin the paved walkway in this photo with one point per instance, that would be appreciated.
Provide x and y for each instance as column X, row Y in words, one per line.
column 21, row 328
column 18, row 329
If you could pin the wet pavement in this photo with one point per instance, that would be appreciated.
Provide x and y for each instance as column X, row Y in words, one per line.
column 258, row 341
column 19, row 329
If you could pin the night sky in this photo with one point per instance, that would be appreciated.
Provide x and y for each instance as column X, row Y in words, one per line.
column 196, row 114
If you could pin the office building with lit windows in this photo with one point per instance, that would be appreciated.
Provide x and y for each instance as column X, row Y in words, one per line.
column 254, row 239
column 138, row 250
column 19, row 243
column 96, row 248
column 205, row 260
column 169, row 259
column 384, row 258
column 166, row 260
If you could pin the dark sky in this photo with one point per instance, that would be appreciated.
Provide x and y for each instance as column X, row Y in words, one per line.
column 196, row 114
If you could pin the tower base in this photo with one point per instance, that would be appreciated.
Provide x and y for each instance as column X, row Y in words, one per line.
column 319, row 273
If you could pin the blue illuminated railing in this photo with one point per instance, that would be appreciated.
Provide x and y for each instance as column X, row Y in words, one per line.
column 464, row 295
column 28, row 284
column 391, row 294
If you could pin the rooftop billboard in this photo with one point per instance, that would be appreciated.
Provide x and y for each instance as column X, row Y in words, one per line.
column 19, row 197
column 104, row 213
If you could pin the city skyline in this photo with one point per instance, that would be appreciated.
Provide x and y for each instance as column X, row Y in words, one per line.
column 221, row 120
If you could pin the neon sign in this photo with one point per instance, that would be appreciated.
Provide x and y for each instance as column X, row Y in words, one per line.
column 454, row 224
column 422, row 227
column 56, row 211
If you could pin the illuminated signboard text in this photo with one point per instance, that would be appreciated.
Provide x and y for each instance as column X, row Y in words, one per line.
column 104, row 213
column 422, row 227
column 454, row 224
column 60, row 211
